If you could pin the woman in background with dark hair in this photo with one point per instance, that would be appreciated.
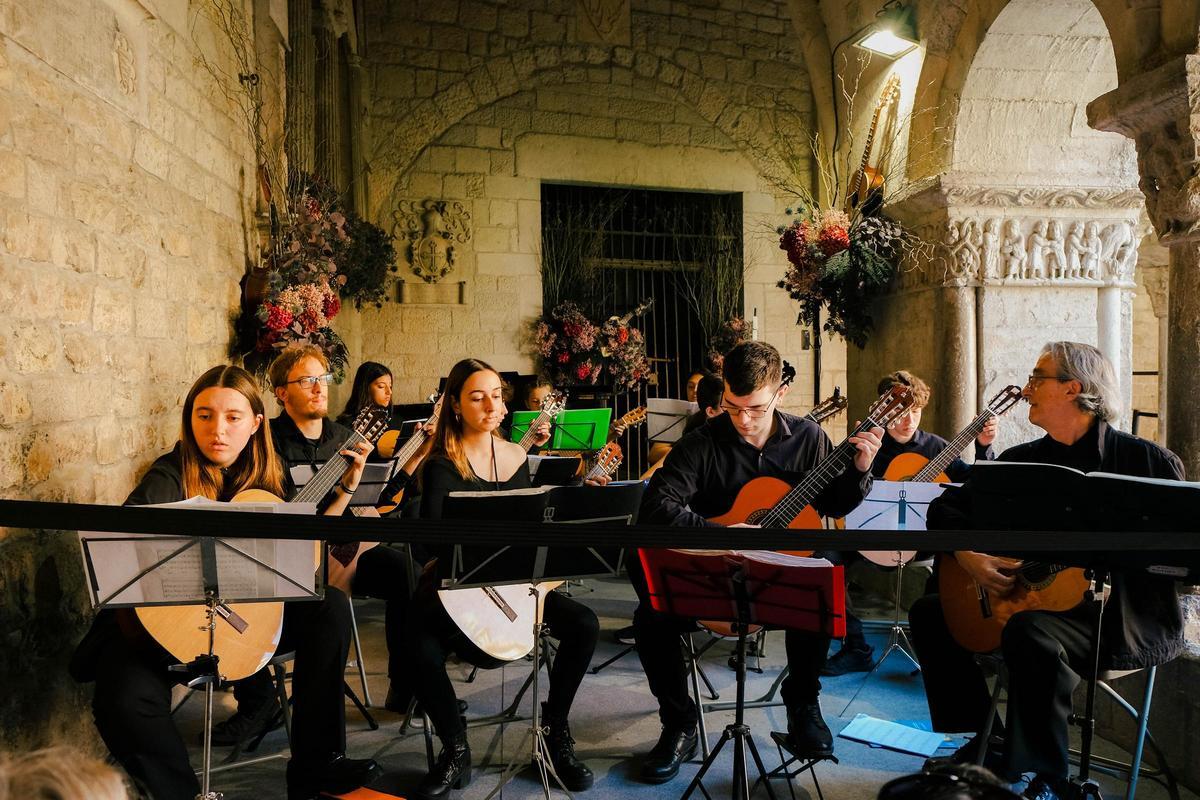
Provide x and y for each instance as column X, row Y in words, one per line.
column 469, row 456
column 372, row 385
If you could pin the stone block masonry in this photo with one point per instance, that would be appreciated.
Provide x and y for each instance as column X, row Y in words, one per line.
column 122, row 241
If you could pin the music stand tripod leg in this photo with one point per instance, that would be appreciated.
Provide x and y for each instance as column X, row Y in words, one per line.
column 539, row 752
column 1083, row 785
column 206, row 673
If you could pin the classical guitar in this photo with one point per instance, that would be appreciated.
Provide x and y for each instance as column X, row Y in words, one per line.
column 976, row 617
column 410, row 449
column 182, row 630
column 919, row 469
column 772, row 503
column 386, row 446
column 605, row 462
column 631, row 420
column 868, row 181
column 497, row 619
column 552, row 404
column 829, row 407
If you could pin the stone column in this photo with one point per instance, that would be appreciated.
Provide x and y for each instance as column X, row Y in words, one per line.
column 1003, row 270
column 358, row 135
column 326, row 127
column 1154, row 279
column 300, row 61
column 1156, row 110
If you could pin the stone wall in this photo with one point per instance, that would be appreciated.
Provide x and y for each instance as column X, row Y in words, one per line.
column 124, row 176
column 479, row 103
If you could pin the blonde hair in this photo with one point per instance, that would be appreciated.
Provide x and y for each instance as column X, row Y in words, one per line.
column 256, row 467
column 283, row 363
column 58, row 773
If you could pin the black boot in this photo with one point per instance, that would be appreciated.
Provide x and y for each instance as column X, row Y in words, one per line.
column 675, row 746
column 808, row 735
column 452, row 770
column 573, row 773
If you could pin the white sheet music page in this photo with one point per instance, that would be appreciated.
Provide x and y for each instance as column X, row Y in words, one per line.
column 113, row 559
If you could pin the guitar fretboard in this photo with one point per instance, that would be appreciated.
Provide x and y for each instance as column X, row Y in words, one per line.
column 937, row 465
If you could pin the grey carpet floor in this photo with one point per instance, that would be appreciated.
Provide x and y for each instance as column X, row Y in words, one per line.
column 614, row 720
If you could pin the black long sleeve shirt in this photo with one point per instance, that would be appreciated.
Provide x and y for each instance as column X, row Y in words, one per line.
column 440, row 477
column 706, row 469
column 928, row 445
column 1143, row 624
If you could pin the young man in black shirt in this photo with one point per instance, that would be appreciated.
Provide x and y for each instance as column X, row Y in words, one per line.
column 700, row 479
column 1072, row 394
column 904, row 436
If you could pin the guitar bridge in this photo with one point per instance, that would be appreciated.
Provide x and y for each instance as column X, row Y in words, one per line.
column 501, row 604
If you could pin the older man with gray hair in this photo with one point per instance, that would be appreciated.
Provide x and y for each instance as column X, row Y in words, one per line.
column 1072, row 395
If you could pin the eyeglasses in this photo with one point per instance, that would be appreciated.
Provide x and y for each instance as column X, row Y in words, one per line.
column 1034, row 380
column 309, row 381
column 754, row 412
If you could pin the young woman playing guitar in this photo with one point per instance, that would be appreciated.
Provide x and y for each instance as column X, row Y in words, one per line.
column 469, row 456
column 224, row 449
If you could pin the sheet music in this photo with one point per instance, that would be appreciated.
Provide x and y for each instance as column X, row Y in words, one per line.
column 894, row 505
column 892, row 735
column 115, row 558
column 666, row 417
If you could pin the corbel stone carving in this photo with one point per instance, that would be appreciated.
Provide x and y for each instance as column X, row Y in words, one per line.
column 603, row 22
column 1025, row 197
column 125, row 61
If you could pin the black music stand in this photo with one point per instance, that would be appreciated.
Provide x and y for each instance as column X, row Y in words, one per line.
column 477, row 566
column 123, row 569
column 1007, row 495
column 744, row 588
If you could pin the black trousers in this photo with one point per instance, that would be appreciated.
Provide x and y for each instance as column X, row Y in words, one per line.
column 132, row 702
column 431, row 636
column 661, row 652
column 1045, row 652
column 383, row 573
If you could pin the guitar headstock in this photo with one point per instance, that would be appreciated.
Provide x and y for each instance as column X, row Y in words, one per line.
column 553, row 403
column 831, row 406
column 1004, row 400
column 888, row 408
column 891, row 91
column 635, row 417
column 607, row 459
column 371, row 422
column 437, row 407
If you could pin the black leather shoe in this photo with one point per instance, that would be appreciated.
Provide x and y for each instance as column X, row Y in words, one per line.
column 573, row 773
column 244, row 725
column 808, row 734
column 969, row 754
column 452, row 770
column 849, row 659
column 1045, row 788
column 675, row 746
column 336, row 775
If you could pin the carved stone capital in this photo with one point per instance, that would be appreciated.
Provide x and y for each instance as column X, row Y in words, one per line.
column 1155, row 109
column 989, row 235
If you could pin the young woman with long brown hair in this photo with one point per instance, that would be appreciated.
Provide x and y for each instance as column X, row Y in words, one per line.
column 224, row 448
column 469, row 456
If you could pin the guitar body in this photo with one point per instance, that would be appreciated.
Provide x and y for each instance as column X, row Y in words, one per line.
column 182, row 630
column 757, row 498
column 502, row 637
column 905, row 467
column 978, row 630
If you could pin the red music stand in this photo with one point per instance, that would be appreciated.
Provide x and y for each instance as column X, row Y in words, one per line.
column 744, row 588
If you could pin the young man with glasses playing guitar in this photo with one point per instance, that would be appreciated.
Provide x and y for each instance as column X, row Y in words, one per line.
column 701, row 478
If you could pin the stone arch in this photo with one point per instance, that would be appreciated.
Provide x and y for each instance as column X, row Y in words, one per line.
column 548, row 65
column 951, row 52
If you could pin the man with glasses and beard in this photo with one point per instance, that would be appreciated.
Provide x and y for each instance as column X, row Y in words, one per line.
column 700, row 479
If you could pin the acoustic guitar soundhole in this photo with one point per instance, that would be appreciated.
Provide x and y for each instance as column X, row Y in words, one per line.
column 1037, row 576
column 755, row 517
